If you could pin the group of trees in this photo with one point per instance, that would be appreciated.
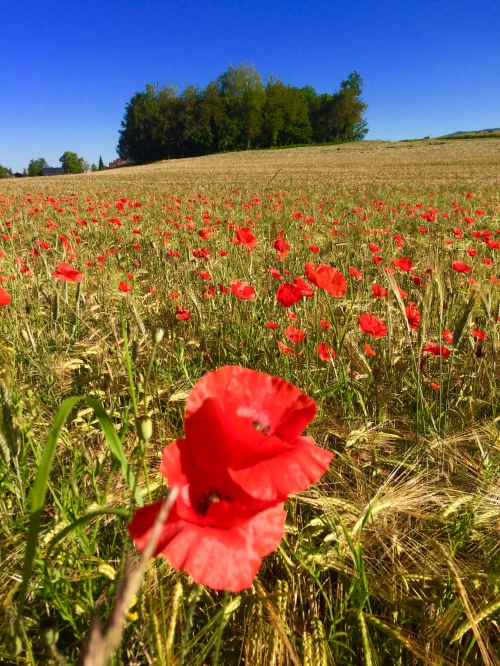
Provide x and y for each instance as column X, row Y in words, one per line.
column 70, row 162
column 238, row 111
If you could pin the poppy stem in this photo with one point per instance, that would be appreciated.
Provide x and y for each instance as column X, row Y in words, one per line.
column 195, row 593
column 220, row 628
column 128, row 363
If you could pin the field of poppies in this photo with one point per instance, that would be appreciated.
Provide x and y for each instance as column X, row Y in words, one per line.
column 335, row 492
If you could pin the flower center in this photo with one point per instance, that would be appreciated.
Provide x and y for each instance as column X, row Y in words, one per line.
column 211, row 496
column 263, row 429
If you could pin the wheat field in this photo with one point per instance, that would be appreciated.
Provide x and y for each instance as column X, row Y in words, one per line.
column 393, row 556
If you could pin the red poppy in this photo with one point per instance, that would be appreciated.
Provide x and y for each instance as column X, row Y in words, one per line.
column 250, row 423
column 246, row 237
column 404, row 263
column 377, row 259
column 477, row 334
column 369, row 350
column 5, row 298
column 67, row 273
column 281, row 246
column 353, row 272
column 294, row 334
column 215, row 531
column 305, row 289
column 436, row 350
column 413, row 316
column 288, row 294
column 205, row 275
column 242, row 291
column 448, row 335
column 324, row 323
column 124, row 286
column 276, row 274
column 325, row 352
column 435, row 386
column 272, row 325
column 284, row 349
column 181, row 313
column 379, row 291
column 460, row 267
column 314, row 248
column 374, row 248
column 372, row 325
column 326, row 277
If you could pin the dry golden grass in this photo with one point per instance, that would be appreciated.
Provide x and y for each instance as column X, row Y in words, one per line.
column 433, row 161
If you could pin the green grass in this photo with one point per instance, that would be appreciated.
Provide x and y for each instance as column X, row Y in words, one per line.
column 392, row 558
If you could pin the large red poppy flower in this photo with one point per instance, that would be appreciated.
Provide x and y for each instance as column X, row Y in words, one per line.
column 250, row 423
column 5, row 298
column 67, row 273
column 288, row 294
column 215, row 531
column 372, row 325
column 326, row 277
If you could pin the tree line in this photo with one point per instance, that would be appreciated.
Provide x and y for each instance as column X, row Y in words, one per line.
column 238, row 111
column 70, row 161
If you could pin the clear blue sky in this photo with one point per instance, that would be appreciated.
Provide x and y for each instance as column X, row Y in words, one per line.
column 68, row 67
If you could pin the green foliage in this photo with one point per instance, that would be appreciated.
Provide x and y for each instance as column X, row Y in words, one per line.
column 3, row 172
column 102, row 166
column 238, row 111
column 35, row 166
column 71, row 162
column 94, row 168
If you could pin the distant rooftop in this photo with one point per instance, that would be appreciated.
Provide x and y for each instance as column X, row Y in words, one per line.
column 53, row 171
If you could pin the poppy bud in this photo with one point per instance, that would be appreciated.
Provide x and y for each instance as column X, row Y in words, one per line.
column 25, row 336
column 157, row 333
column 49, row 631
column 14, row 645
column 144, row 427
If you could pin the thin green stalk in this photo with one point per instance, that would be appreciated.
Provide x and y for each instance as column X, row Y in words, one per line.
column 220, row 629
column 195, row 593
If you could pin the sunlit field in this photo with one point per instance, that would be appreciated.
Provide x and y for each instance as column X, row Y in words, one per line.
column 365, row 274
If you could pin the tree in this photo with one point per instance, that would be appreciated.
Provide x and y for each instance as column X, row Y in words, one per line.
column 3, row 172
column 102, row 166
column 85, row 166
column 94, row 168
column 35, row 167
column 148, row 129
column 71, row 163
